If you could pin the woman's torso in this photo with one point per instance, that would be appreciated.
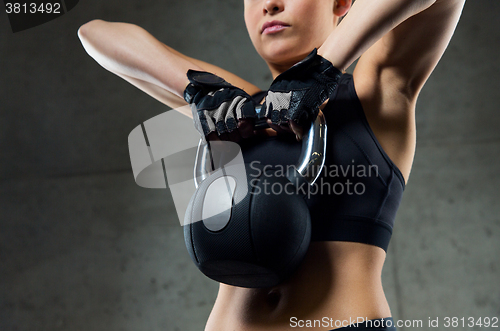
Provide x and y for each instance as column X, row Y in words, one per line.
column 337, row 281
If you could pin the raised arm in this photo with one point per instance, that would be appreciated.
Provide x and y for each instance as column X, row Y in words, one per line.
column 401, row 39
column 132, row 53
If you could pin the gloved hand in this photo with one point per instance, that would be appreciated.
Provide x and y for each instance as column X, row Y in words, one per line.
column 296, row 94
column 217, row 105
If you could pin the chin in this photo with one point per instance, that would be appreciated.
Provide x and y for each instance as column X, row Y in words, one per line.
column 284, row 55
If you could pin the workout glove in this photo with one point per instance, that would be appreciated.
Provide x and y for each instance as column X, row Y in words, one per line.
column 297, row 93
column 217, row 105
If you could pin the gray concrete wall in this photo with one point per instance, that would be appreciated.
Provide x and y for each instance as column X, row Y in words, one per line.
column 82, row 247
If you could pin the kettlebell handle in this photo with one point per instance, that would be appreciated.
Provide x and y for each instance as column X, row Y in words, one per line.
column 307, row 168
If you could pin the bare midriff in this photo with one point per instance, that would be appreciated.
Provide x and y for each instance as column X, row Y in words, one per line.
column 336, row 282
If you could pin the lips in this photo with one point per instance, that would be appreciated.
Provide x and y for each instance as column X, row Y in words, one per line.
column 273, row 27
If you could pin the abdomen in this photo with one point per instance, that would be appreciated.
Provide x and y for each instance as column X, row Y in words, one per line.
column 337, row 281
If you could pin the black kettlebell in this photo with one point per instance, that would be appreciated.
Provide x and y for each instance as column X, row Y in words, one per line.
column 241, row 234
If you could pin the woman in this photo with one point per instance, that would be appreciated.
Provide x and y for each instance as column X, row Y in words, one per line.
column 399, row 43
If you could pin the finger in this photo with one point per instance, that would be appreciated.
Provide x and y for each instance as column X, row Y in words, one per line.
column 234, row 136
column 246, row 127
column 284, row 126
column 324, row 104
column 224, row 137
column 261, row 133
column 277, row 128
column 297, row 130
column 212, row 136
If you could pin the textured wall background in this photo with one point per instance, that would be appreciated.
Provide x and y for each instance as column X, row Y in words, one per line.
column 82, row 247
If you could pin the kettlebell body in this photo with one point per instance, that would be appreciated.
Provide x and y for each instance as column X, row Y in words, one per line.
column 261, row 240
column 239, row 230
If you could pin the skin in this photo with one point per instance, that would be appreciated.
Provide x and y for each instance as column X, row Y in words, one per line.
column 398, row 43
column 302, row 34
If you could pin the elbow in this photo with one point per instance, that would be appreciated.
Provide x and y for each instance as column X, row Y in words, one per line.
column 86, row 29
column 90, row 35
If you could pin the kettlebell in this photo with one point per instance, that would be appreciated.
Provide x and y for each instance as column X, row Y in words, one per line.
column 241, row 234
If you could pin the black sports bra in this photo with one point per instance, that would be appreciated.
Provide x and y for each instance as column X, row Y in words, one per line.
column 359, row 190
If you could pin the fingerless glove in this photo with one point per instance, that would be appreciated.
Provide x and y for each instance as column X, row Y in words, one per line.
column 217, row 105
column 297, row 93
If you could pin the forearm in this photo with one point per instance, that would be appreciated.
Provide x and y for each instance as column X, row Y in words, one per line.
column 129, row 50
column 366, row 22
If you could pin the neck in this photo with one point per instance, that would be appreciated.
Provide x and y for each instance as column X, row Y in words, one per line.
column 278, row 68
